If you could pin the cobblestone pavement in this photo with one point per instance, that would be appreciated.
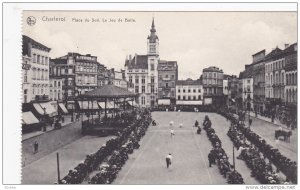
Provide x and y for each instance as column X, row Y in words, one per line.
column 190, row 153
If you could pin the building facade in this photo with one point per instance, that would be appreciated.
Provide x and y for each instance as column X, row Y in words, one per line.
column 259, row 81
column 100, row 74
column 55, row 89
column 119, row 78
column 212, row 79
column 167, row 77
column 189, row 91
column 35, row 70
column 274, row 79
column 290, row 54
column 246, row 82
column 141, row 72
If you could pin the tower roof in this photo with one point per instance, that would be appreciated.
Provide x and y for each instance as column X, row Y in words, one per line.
column 153, row 37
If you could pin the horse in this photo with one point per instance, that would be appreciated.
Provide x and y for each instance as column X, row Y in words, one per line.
column 285, row 134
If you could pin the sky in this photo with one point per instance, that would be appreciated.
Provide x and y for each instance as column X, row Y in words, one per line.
column 195, row 40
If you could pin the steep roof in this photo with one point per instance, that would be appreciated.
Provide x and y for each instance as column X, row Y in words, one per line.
column 29, row 42
column 212, row 69
column 189, row 82
column 274, row 54
column 108, row 91
column 138, row 62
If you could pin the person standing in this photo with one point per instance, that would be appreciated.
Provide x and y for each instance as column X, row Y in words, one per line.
column 169, row 158
column 172, row 133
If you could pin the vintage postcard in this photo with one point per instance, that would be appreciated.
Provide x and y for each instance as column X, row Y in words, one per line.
column 158, row 97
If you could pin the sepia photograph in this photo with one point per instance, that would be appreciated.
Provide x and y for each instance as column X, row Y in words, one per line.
column 159, row 97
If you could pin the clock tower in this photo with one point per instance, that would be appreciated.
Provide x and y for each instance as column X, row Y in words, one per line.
column 153, row 41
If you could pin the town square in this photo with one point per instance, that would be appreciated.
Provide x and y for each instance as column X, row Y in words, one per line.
column 131, row 98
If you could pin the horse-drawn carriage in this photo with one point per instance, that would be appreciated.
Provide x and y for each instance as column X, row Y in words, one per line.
column 283, row 133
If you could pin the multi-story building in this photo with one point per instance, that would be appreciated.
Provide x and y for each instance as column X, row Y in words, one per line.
column 55, row 89
column 274, row 79
column 141, row 72
column 119, row 78
column 100, row 74
column 213, row 85
column 79, row 75
column 259, row 81
column 189, row 92
column 35, row 70
column 246, row 78
column 233, row 84
column 26, row 79
column 290, row 54
column 167, row 77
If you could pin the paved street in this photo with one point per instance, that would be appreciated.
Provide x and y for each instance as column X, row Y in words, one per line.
column 267, row 131
column 190, row 164
column 44, row 170
column 147, row 164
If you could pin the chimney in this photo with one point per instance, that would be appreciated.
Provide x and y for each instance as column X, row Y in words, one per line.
column 286, row 46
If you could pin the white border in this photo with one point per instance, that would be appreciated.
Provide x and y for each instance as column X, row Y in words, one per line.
column 12, row 72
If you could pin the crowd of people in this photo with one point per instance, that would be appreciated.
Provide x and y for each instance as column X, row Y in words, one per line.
column 241, row 135
column 219, row 157
column 111, row 156
column 260, row 168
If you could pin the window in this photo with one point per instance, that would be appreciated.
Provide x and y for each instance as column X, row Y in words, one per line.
column 183, row 90
column 136, row 89
column 166, row 76
column 152, row 49
column 152, row 88
column 130, row 79
column 189, row 97
column 178, row 97
column 137, row 79
column 143, row 80
column 143, row 100
column 25, row 77
column 199, row 90
column 194, row 90
column 42, row 59
column 199, row 97
column 152, row 66
column 143, row 89
column 25, row 96
column 189, row 90
column 183, row 97
column 248, row 81
column 167, row 85
column 34, row 58
column 178, row 90
column 38, row 59
column 58, row 83
column 54, row 83
column 152, row 79
column 194, row 97
column 172, row 77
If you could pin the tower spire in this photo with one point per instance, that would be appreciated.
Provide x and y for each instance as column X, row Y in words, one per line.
column 153, row 30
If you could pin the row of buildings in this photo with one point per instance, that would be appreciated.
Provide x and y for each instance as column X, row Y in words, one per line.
column 271, row 79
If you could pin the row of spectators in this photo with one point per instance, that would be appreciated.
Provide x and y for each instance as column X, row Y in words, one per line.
column 260, row 168
column 219, row 157
column 284, row 164
column 111, row 156
column 185, row 108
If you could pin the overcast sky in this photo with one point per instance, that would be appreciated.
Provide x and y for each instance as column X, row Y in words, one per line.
column 194, row 39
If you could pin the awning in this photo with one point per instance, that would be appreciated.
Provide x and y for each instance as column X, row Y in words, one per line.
column 132, row 103
column 88, row 105
column 63, row 107
column 102, row 104
column 182, row 102
column 49, row 109
column 164, row 102
column 28, row 118
column 110, row 105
